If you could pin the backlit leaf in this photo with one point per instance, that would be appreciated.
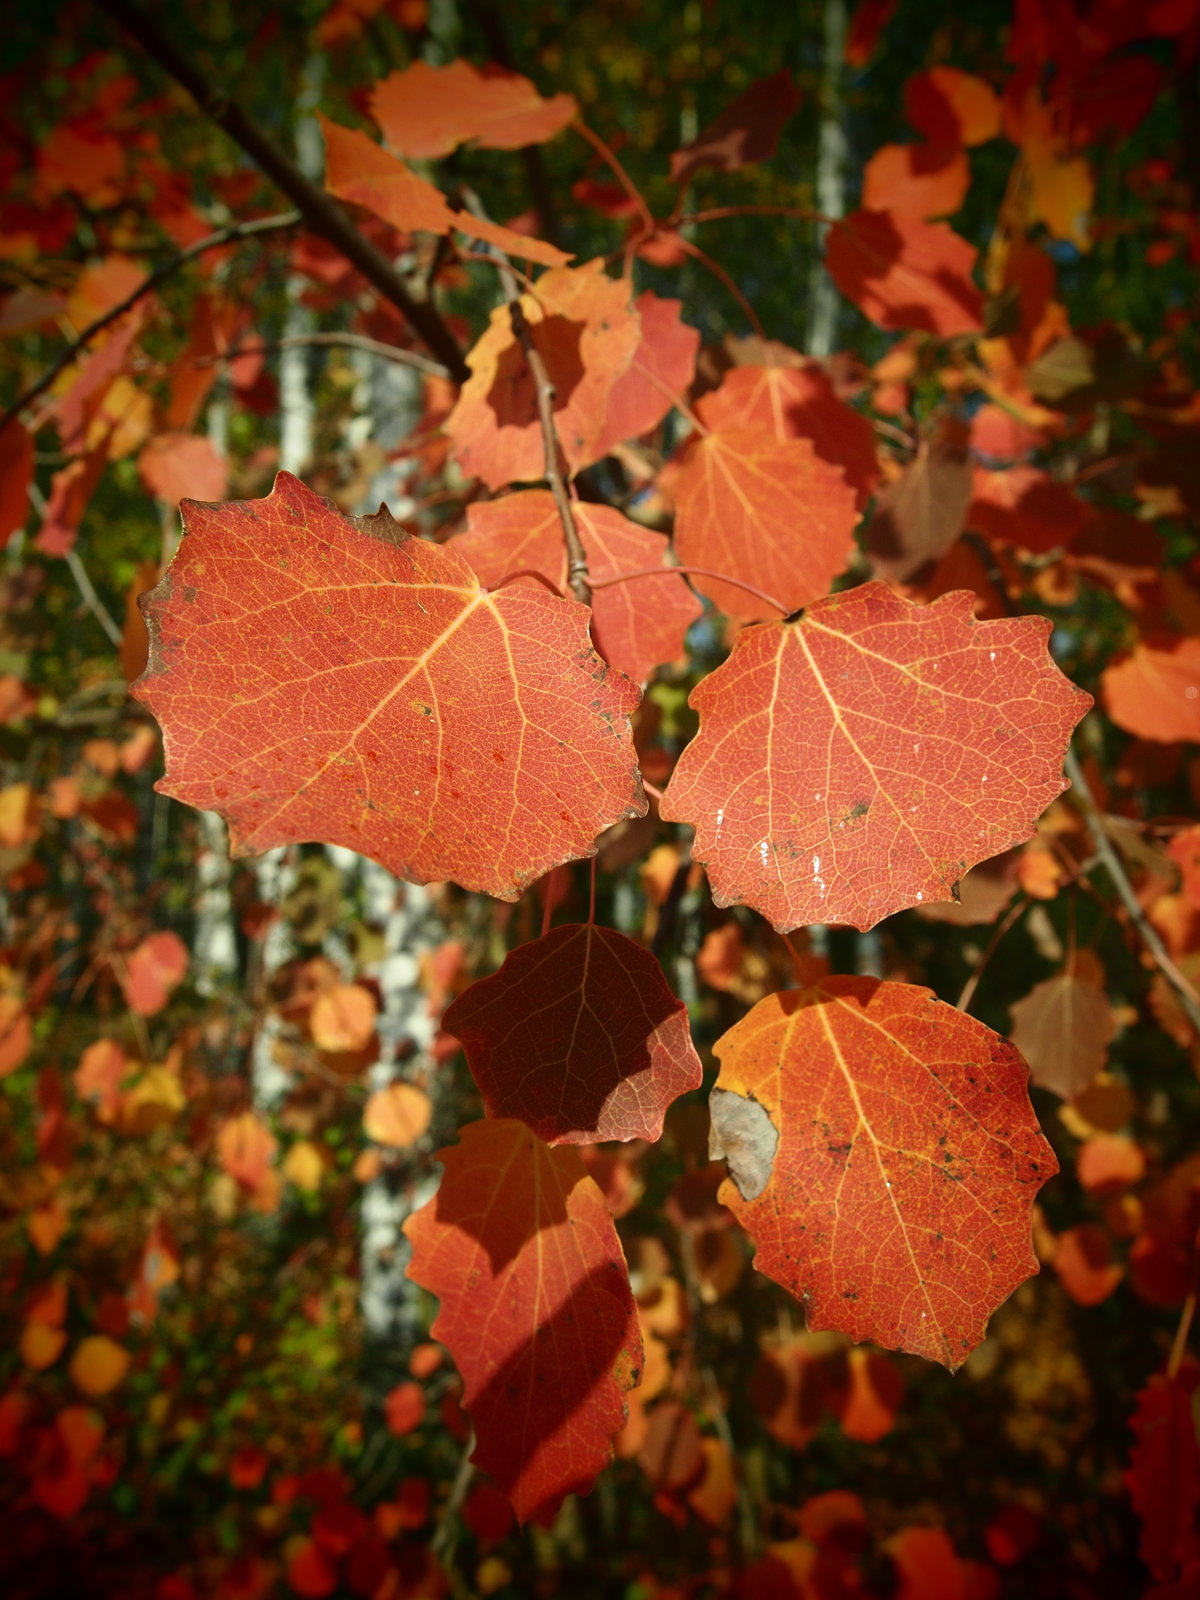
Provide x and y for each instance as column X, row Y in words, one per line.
column 536, row 1309
column 153, row 972
column 903, row 272
column 98, row 1365
column 326, row 679
column 663, row 366
column 916, row 180
column 899, row 1197
column 636, row 626
column 583, row 326
column 950, row 106
column 579, row 1037
column 768, row 510
column 426, row 111
column 358, row 170
column 863, row 757
column 797, row 402
column 1154, row 691
column 397, row 1115
column 246, row 1148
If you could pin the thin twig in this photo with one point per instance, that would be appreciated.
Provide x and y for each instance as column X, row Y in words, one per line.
column 90, row 598
column 336, row 341
column 318, row 209
column 213, row 241
column 719, row 273
column 1094, row 819
column 1014, row 912
column 1182, row 1333
column 699, row 572
column 609, row 157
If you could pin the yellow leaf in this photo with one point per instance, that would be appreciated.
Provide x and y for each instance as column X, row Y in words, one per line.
column 41, row 1345
column 303, row 1165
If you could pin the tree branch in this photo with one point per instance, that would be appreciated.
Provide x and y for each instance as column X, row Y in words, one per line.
column 319, row 211
column 1185, row 993
column 213, row 241
column 334, row 340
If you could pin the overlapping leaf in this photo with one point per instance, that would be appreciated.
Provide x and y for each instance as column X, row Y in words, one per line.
column 903, row 272
column 767, row 510
column 746, row 131
column 897, row 1202
column 663, row 367
column 334, row 680
column 1063, row 1028
column 426, row 111
column 536, row 1309
column 636, row 626
column 916, row 180
column 586, row 332
column 1154, row 691
column 360, row 171
column 797, row 402
column 862, row 757
column 579, row 1037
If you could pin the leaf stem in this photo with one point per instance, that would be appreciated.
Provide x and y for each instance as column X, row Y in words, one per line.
column 718, row 272
column 319, row 210
column 1182, row 1333
column 698, row 572
column 609, row 157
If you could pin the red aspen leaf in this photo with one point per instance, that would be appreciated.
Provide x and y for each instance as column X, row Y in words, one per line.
column 536, row 1309
column 404, row 1408
column 579, row 1037
column 1107, row 1163
column 153, row 971
column 916, row 180
column 16, row 474
column 1164, row 1472
column 183, row 466
column 928, row 1566
column 672, row 1453
column 921, row 513
column 788, row 1391
column 1154, row 691
column 583, row 326
column 663, row 365
column 873, row 1398
column 381, row 699
column 343, row 1018
column 359, row 170
column 310, row 1572
column 488, row 1514
column 425, row 111
column 98, row 1365
column 870, row 18
column 1084, row 1264
column 246, row 1148
column 636, row 626
column 903, row 272
column 897, row 1203
column 797, row 402
column 71, row 490
column 1063, row 1027
column 16, row 1033
column 397, row 1115
column 1023, row 506
column 747, row 131
column 770, row 511
column 863, row 757
column 950, row 106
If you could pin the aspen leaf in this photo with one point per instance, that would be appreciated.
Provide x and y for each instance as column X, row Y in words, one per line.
column 397, row 1115
column 909, row 1158
column 343, row 1018
column 16, row 474
column 746, row 132
column 950, row 106
column 1154, row 691
column 1063, row 1028
column 862, row 757
column 662, row 366
column 98, row 1365
column 903, row 272
column 916, row 180
column 425, row 111
column 1023, row 506
column 179, row 466
column 768, row 509
column 797, row 402
column 380, row 699
column 246, row 1148
column 41, row 1345
column 404, row 1408
column 579, row 1037
column 358, row 170
column 583, row 326
column 1084, row 1264
column 1164, row 1472
column 636, row 626
column 153, row 971
column 16, row 1033
column 536, row 1309
column 919, row 515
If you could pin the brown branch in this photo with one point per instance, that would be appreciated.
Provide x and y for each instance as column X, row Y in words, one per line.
column 319, row 210
column 212, row 241
column 1093, row 817
column 578, row 579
